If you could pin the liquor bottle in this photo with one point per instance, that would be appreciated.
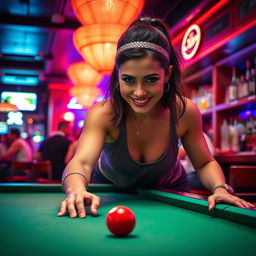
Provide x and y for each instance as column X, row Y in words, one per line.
column 243, row 137
column 233, row 86
column 252, row 84
column 224, row 131
column 240, row 87
column 249, row 134
column 234, row 130
column 248, row 78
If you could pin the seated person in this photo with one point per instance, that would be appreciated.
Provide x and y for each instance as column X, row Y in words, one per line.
column 193, row 179
column 19, row 151
column 55, row 149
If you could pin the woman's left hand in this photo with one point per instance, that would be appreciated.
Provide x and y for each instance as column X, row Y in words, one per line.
column 223, row 196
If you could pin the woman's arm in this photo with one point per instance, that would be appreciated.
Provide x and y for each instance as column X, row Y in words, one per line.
column 88, row 151
column 71, row 151
column 207, row 168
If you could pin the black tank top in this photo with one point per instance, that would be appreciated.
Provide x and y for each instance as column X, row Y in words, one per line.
column 117, row 165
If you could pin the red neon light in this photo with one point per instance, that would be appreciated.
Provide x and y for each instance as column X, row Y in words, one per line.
column 220, row 43
column 191, row 42
column 201, row 19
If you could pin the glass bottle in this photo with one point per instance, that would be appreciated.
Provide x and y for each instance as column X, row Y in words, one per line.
column 233, row 86
column 247, row 79
column 252, row 85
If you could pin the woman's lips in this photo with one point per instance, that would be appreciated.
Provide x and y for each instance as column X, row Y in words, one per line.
column 140, row 102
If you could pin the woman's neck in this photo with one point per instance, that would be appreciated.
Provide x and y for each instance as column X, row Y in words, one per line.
column 158, row 111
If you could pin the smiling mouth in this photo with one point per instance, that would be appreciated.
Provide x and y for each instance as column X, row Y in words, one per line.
column 141, row 102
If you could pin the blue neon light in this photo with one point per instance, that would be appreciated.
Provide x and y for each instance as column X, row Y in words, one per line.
column 20, row 80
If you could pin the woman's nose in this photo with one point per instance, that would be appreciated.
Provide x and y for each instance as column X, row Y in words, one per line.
column 140, row 91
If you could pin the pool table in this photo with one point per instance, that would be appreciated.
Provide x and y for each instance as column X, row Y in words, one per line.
column 166, row 224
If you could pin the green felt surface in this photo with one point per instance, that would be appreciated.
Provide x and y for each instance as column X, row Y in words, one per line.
column 30, row 226
column 224, row 211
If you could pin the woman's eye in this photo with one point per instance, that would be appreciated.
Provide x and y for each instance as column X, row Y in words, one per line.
column 128, row 80
column 152, row 79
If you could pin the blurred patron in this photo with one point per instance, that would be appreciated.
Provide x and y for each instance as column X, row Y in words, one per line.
column 193, row 179
column 55, row 149
column 4, row 143
column 18, row 151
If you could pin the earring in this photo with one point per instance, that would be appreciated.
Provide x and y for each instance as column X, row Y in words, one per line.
column 167, row 87
column 117, row 86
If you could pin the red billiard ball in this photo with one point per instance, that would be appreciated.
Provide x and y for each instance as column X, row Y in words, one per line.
column 120, row 221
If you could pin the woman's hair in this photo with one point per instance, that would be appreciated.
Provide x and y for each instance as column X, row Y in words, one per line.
column 152, row 33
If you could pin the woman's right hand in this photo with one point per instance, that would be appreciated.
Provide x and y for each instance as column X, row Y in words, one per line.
column 76, row 202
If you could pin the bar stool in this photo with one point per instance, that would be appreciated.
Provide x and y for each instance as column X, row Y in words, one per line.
column 25, row 167
column 42, row 167
column 243, row 179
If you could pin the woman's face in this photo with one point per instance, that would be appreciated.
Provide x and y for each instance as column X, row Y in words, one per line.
column 142, row 83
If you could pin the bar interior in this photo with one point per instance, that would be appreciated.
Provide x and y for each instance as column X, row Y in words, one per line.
column 56, row 59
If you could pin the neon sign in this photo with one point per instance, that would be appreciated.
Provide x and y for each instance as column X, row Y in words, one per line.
column 191, row 42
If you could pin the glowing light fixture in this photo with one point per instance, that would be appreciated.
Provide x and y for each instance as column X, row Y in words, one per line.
column 8, row 107
column 20, row 80
column 69, row 116
column 73, row 104
column 107, row 11
column 191, row 42
column 15, row 118
column 85, row 96
column 97, row 44
column 82, row 74
column 81, row 123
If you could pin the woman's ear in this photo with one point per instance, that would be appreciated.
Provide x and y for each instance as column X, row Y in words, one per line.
column 168, row 73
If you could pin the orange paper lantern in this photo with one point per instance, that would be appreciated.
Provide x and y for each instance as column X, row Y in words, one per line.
column 107, row 11
column 8, row 107
column 84, row 95
column 82, row 74
column 97, row 44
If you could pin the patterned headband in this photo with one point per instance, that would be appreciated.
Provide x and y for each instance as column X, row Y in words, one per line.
column 146, row 45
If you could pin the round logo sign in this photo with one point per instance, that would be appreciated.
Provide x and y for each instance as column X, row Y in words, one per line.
column 190, row 42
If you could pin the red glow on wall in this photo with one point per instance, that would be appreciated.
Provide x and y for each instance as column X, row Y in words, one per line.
column 202, row 19
column 191, row 41
column 220, row 43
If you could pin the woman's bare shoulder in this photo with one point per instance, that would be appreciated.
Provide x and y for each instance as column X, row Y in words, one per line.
column 190, row 118
column 190, row 107
column 100, row 113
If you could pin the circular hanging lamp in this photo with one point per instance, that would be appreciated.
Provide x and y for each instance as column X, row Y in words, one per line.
column 81, row 73
column 97, row 44
column 107, row 11
column 84, row 95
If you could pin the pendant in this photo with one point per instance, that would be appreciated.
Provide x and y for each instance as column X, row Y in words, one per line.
column 137, row 132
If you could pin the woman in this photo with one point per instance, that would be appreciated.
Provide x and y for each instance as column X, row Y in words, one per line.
column 130, row 140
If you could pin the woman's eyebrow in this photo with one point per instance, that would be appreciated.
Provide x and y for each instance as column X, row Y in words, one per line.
column 127, row 75
column 153, row 74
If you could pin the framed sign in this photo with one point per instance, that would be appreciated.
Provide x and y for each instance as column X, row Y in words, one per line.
column 191, row 42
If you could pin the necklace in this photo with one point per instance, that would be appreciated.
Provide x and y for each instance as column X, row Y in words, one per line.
column 138, row 128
